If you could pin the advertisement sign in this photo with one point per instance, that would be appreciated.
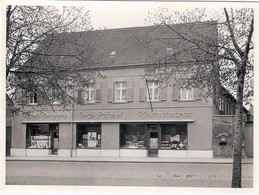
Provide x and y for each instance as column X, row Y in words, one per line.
column 40, row 141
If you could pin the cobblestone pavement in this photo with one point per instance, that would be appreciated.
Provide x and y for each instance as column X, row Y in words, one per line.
column 124, row 174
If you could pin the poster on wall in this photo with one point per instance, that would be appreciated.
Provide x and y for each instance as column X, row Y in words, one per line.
column 92, row 139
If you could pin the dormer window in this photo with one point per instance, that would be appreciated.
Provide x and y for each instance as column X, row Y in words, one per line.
column 113, row 54
column 169, row 50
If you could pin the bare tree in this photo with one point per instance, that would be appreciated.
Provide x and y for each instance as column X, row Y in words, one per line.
column 46, row 54
column 220, row 56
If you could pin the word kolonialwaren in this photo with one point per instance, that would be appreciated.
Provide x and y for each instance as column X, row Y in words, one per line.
column 166, row 114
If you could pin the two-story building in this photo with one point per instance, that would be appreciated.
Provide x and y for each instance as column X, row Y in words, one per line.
column 123, row 114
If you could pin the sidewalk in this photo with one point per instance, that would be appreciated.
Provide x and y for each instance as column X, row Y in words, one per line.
column 130, row 160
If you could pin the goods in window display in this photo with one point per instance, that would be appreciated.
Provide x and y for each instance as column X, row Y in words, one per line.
column 40, row 141
column 133, row 141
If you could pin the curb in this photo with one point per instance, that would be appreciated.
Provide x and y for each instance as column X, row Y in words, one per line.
column 183, row 161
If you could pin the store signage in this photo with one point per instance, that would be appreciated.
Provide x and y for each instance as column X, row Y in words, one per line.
column 164, row 114
column 43, row 115
column 99, row 115
column 40, row 141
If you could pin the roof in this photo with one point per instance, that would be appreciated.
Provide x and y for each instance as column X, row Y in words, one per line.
column 137, row 45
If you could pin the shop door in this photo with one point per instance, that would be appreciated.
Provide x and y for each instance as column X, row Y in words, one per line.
column 54, row 138
column 154, row 137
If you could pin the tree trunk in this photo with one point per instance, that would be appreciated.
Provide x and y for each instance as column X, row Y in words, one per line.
column 237, row 144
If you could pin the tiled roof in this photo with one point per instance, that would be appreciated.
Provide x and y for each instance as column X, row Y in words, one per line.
column 137, row 45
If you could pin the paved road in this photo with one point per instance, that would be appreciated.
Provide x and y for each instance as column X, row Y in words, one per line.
column 123, row 174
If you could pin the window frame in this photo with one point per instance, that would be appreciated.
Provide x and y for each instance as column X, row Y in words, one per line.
column 33, row 95
column 87, row 92
column 121, row 89
column 187, row 93
column 150, row 94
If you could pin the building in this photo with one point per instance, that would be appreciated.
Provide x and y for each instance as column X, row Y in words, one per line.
column 124, row 115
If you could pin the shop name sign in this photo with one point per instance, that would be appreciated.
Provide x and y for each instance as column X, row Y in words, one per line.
column 99, row 115
column 43, row 115
column 164, row 114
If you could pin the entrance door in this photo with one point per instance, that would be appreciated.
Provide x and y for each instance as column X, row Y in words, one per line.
column 154, row 136
column 54, row 138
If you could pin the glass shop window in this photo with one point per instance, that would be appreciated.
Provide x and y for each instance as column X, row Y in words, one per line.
column 88, row 136
column 38, row 136
column 174, row 137
column 132, row 136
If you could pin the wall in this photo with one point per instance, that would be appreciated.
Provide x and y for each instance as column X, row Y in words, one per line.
column 224, row 125
column 249, row 141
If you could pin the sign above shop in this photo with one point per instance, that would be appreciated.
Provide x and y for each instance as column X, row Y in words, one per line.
column 46, row 116
column 164, row 114
column 99, row 115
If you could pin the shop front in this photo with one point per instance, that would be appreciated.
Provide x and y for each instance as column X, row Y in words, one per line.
column 116, row 133
column 42, row 138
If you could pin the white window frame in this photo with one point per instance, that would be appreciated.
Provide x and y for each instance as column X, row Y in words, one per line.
column 89, row 94
column 189, row 94
column 121, row 89
column 54, row 100
column 33, row 95
column 151, row 88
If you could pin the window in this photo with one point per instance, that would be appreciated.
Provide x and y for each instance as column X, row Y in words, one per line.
column 89, row 94
column 33, row 97
column 113, row 53
column 174, row 136
column 187, row 94
column 152, row 91
column 120, row 92
column 38, row 136
column 54, row 96
column 88, row 136
column 132, row 136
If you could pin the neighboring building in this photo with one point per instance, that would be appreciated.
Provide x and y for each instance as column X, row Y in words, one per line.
column 113, row 115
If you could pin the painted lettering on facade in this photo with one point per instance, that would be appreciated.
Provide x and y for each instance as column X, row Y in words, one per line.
column 165, row 114
column 46, row 116
column 99, row 115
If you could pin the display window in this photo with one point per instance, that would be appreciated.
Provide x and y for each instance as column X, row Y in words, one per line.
column 174, row 137
column 39, row 135
column 132, row 136
column 88, row 136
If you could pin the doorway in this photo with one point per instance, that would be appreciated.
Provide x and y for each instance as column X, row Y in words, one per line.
column 54, row 138
column 154, row 137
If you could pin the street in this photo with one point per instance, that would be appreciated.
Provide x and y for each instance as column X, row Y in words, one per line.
column 123, row 174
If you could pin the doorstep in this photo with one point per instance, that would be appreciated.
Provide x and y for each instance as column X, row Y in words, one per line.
column 129, row 160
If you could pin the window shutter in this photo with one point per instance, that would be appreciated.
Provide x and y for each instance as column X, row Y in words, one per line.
column 98, row 92
column 110, row 91
column 80, row 96
column 163, row 93
column 25, row 97
column 176, row 93
column 198, row 94
column 130, row 91
column 19, row 96
column 142, row 91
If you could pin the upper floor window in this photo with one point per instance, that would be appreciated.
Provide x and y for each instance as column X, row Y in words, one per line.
column 33, row 97
column 152, row 91
column 120, row 92
column 187, row 94
column 89, row 96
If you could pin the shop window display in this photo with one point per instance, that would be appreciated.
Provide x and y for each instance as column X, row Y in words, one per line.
column 88, row 136
column 38, row 136
column 132, row 136
column 174, row 137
